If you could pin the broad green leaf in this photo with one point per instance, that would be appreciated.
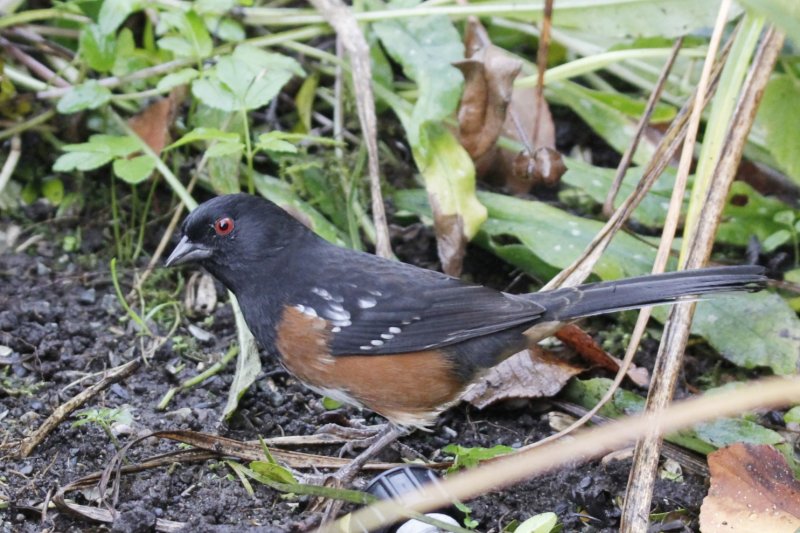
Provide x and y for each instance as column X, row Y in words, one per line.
column 425, row 47
column 304, row 103
column 778, row 116
column 81, row 161
column 282, row 194
column 191, row 39
column 596, row 181
column 88, row 95
column 225, row 148
column 614, row 125
column 97, row 48
column 751, row 330
column 636, row 18
column 227, row 29
column 449, row 177
column 274, row 142
column 97, row 152
column 792, row 416
column 633, row 107
column 248, row 79
column 776, row 240
column 702, row 438
column 541, row 523
column 784, row 13
column 134, row 170
column 213, row 7
column 181, row 77
column 114, row 12
column 754, row 329
column 223, row 172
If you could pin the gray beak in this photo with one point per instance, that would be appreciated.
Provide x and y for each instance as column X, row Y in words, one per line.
column 187, row 252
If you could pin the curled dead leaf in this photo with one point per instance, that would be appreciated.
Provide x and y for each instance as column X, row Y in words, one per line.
column 532, row 373
column 451, row 243
column 752, row 490
column 491, row 106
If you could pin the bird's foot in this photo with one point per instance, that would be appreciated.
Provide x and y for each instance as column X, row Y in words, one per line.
column 385, row 436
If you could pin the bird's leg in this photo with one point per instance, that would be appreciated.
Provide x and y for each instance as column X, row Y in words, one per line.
column 380, row 440
column 386, row 435
column 356, row 431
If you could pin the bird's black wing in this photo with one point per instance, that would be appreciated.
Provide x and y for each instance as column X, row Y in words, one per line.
column 376, row 306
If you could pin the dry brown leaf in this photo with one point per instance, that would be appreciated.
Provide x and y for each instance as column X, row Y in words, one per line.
column 583, row 343
column 752, row 491
column 532, row 373
column 201, row 295
column 450, row 242
column 152, row 124
column 491, row 106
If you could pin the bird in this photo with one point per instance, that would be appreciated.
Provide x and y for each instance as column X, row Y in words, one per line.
column 397, row 339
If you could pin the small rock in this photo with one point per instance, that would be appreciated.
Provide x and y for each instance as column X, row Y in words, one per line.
column 41, row 269
column 25, row 469
column 200, row 334
column 87, row 297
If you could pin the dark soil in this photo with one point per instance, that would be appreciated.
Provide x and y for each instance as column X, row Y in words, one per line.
column 63, row 324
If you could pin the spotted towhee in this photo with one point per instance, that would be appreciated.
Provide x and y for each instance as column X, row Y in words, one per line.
column 400, row 340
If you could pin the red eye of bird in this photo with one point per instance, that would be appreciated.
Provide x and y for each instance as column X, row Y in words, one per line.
column 223, row 226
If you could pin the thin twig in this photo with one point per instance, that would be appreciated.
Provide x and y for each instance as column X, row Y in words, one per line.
column 33, row 65
column 11, row 161
column 627, row 157
column 341, row 19
column 114, row 375
column 541, row 63
column 593, row 442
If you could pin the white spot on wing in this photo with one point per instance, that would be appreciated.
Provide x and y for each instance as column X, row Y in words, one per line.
column 365, row 347
column 306, row 310
column 395, row 330
column 322, row 293
column 376, row 342
column 387, row 336
column 366, row 303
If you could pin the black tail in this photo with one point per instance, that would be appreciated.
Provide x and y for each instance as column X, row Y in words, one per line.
column 632, row 293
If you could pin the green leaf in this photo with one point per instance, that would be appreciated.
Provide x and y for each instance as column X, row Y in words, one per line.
column 633, row 107
column 135, row 170
column 114, row 12
column 97, row 48
column 751, row 330
column 81, row 161
column 181, row 77
column 784, row 217
column 224, row 171
column 225, row 148
column 792, row 416
column 227, row 29
column 304, row 103
column 53, row 190
column 470, row 457
column 425, row 47
column 776, row 240
column 596, row 182
column 748, row 214
column 541, row 523
column 784, row 13
column 88, row 95
column 248, row 363
column 248, row 79
column 616, row 127
column 205, row 134
column 703, row 438
column 636, row 18
column 449, row 177
column 273, row 472
column 778, row 115
column 192, row 40
column 274, row 142
column 330, row 404
column 97, row 152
